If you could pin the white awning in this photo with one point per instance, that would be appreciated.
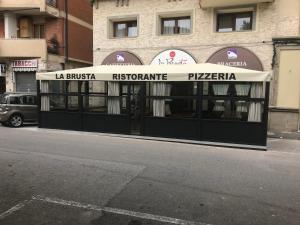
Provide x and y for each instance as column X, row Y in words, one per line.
column 196, row 72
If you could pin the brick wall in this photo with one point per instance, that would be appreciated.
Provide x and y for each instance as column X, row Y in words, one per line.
column 80, row 42
column 81, row 9
column 80, row 37
column 55, row 27
column 2, row 28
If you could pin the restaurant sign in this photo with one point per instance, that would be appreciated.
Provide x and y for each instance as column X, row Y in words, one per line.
column 153, row 73
column 173, row 57
column 25, row 65
column 236, row 57
column 121, row 58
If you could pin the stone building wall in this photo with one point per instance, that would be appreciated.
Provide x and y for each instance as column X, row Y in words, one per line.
column 279, row 18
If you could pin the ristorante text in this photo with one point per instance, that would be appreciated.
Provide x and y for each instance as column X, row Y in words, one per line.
column 141, row 77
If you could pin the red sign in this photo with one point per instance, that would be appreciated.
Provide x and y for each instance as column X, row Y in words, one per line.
column 33, row 63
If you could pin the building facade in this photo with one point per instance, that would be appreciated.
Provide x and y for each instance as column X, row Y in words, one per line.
column 253, row 34
column 42, row 35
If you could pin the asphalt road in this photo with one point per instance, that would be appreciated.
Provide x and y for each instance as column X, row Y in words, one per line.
column 50, row 177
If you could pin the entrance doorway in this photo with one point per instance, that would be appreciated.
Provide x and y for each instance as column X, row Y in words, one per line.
column 135, row 92
column 25, row 82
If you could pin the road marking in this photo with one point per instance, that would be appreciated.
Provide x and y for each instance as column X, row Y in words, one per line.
column 14, row 209
column 117, row 211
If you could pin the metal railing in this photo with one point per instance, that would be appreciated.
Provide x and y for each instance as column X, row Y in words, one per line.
column 52, row 3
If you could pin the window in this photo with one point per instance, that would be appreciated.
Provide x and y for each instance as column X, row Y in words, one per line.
column 28, row 100
column 173, row 99
column 233, row 101
column 14, row 100
column 125, row 29
column 177, row 25
column 39, row 31
column 227, row 22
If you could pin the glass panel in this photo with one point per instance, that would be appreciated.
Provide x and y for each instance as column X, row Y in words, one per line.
column 95, row 104
column 132, row 29
column 28, row 100
column 180, row 108
column 73, row 103
column 243, row 22
column 3, row 99
column 36, row 29
column 42, row 31
column 120, row 30
column 73, row 87
column 97, row 87
column 184, row 26
column 256, row 110
column 124, row 105
column 225, row 23
column 57, row 86
column 57, row 103
column 205, row 88
column 14, row 100
column 168, row 27
column 217, row 109
column 181, row 89
column 232, row 110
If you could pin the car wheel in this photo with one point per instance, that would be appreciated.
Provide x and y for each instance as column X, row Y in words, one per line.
column 16, row 120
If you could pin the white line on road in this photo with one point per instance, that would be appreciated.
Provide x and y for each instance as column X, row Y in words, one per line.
column 14, row 209
column 117, row 211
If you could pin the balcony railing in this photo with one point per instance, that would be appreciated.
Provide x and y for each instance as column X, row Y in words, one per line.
column 225, row 3
column 52, row 3
column 23, row 48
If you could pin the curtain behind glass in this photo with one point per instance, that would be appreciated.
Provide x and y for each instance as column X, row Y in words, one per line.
column 120, row 30
column 220, row 89
column 242, row 90
column 45, row 100
column 159, row 89
column 169, row 26
column 184, row 26
column 113, row 104
column 255, row 109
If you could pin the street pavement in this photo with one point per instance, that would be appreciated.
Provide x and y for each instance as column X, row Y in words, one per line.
column 53, row 177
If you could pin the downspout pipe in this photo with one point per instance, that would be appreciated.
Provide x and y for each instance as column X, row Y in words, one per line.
column 66, row 33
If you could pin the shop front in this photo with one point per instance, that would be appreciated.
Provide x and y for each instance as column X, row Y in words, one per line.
column 25, row 75
column 172, row 101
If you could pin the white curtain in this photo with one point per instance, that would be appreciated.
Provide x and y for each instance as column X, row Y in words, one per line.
column 255, row 109
column 242, row 90
column 184, row 26
column 113, row 103
column 45, row 100
column 169, row 27
column 159, row 89
column 220, row 89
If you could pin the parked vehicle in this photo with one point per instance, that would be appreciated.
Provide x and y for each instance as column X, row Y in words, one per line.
column 17, row 108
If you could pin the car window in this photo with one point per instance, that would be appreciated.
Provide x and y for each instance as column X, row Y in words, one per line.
column 14, row 100
column 28, row 100
column 3, row 99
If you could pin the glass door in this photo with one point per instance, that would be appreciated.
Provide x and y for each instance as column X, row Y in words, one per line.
column 135, row 104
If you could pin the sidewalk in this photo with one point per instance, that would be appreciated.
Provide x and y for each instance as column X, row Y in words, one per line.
column 284, row 135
